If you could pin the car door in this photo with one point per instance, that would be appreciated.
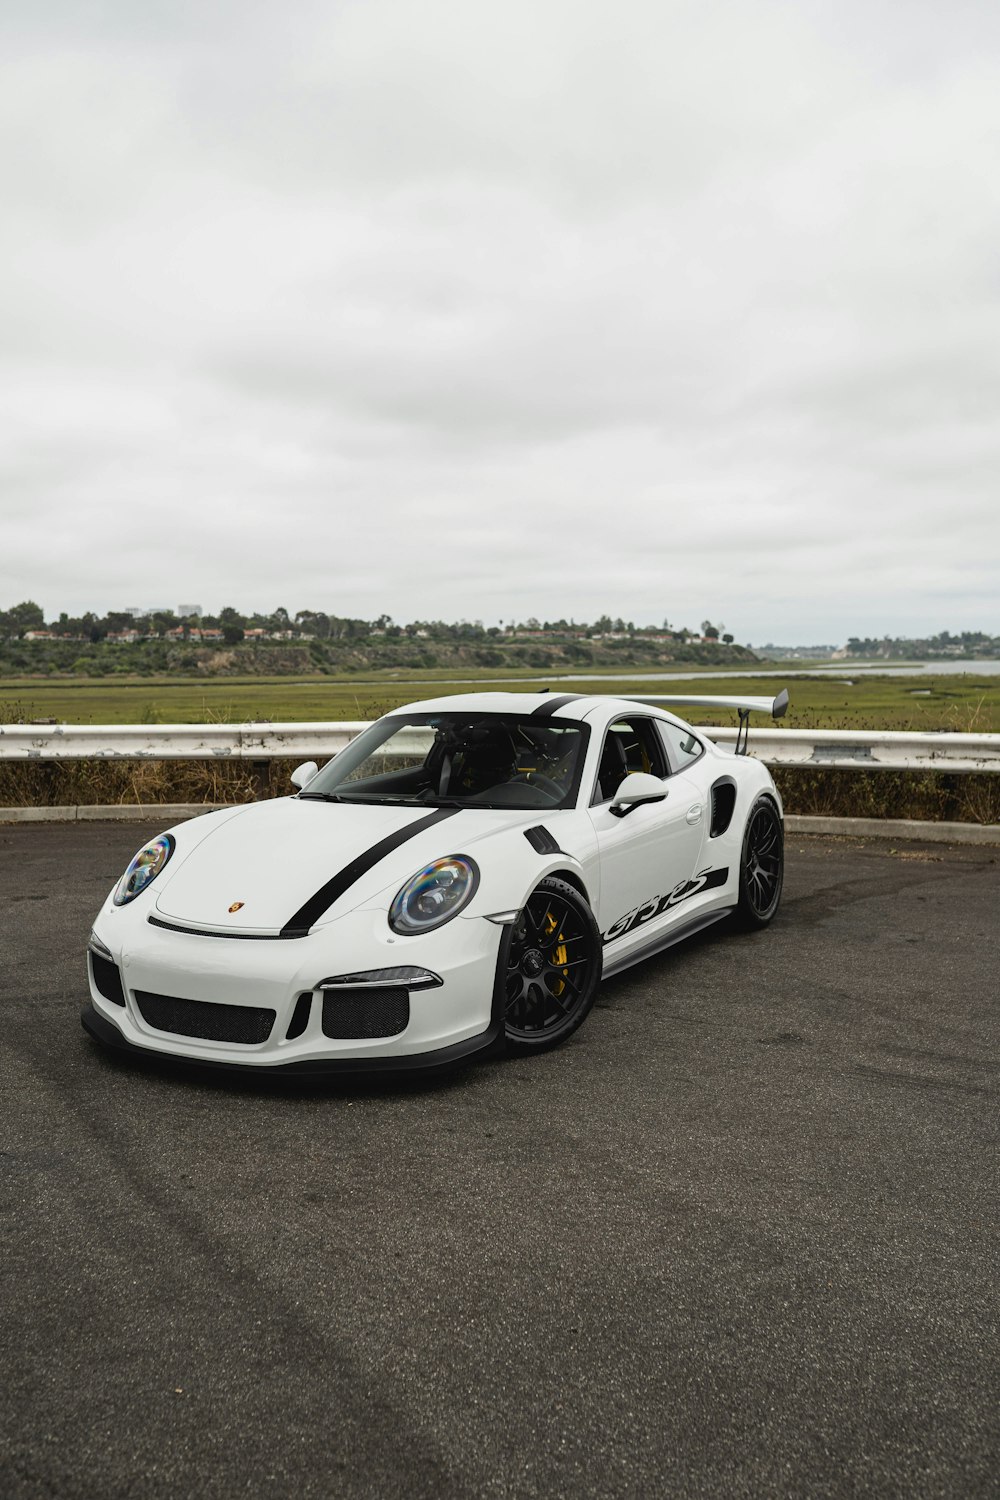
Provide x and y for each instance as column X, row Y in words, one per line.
column 651, row 853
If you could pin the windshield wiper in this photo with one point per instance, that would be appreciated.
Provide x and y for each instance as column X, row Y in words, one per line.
column 365, row 799
column 373, row 799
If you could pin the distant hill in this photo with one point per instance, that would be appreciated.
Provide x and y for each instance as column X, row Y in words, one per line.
column 152, row 656
column 967, row 644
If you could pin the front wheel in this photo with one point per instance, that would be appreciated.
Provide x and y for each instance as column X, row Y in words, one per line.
column 762, row 865
column 551, row 966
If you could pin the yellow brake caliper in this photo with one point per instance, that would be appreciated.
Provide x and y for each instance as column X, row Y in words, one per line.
column 559, row 954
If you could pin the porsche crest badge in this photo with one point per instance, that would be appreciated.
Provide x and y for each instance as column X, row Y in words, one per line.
column 236, row 906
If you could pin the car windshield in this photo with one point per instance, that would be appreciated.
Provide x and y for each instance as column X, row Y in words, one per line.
column 458, row 759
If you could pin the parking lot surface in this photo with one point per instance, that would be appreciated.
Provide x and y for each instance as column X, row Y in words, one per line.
column 738, row 1238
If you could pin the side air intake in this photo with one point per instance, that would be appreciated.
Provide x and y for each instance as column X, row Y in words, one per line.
column 723, row 805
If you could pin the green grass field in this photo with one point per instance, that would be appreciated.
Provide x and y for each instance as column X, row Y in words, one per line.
column 921, row 703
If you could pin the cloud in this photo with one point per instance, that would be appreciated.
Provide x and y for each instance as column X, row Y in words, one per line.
column 654, row 309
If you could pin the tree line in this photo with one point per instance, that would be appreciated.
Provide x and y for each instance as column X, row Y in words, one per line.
column 28, row 617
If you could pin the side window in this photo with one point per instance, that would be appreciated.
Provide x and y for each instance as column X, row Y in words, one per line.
column 683, row 747
column 629, row 745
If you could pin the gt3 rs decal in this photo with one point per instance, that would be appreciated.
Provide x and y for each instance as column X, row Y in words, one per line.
column 657, row 905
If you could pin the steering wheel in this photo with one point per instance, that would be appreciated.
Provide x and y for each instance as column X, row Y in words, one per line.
column 543, row 783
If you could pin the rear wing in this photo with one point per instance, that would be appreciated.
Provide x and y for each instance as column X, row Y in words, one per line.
column 776, row 707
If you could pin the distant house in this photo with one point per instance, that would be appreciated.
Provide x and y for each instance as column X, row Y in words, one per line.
column 39, row 635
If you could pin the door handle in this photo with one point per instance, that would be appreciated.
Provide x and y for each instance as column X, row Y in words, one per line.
column 693, row 814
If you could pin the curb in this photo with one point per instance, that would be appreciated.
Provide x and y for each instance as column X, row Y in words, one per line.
column 172, row 812
column 125, row 812
column 896, row 828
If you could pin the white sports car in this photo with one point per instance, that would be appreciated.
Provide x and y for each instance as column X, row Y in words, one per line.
column 457, row 879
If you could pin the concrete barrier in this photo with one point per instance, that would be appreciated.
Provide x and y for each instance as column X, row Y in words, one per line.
column 162, row 815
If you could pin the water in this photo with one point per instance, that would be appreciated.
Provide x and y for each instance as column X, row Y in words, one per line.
column 840, row 671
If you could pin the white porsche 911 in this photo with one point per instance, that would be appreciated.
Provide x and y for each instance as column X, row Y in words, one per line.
column 457, row 880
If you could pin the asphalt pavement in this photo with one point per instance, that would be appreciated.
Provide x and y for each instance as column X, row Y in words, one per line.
column 738, row 1238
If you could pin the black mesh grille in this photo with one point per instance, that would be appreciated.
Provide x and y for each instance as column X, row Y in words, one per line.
column 365, row 1013
column 246, row 1024
column 107, row 979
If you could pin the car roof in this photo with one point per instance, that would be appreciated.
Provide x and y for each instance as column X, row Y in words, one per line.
column 551, row 705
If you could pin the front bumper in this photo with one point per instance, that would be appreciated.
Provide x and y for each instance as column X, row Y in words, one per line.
column 458, row 1018
column 489, row 1041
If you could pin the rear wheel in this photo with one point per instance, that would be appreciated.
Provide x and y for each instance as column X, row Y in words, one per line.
column 762, row 865
column 551, row 967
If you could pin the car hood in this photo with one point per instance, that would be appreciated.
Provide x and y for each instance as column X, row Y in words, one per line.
column 278, row 861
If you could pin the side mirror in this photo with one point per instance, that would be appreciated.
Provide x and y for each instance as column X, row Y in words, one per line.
column 303, row 774
column 637, row 788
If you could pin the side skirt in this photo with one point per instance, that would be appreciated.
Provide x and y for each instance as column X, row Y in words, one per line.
column 616, row 963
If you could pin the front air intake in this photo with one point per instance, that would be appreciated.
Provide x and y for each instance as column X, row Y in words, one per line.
column 107, row 979
column 300, row 1016
column 246, row 1025
column 365, row 1014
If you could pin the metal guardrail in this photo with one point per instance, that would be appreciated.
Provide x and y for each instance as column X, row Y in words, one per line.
column 837, row 749
column 869, row 750
column 174, row 741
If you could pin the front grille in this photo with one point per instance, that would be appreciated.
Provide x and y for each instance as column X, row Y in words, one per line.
column 107, row 978
column 365, row 1013
column 246, row 1024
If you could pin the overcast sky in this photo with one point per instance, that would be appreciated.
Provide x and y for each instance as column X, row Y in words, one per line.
column 452, row 309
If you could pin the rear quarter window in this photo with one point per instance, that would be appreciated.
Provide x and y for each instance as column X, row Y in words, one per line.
column 683, row 747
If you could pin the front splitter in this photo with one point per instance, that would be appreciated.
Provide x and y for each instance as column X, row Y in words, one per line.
column 487, row 1043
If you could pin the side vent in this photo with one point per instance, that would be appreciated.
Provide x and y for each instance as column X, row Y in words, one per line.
column 541, row 840
column 107, row 978
column 723, row 805
column 300, row 1016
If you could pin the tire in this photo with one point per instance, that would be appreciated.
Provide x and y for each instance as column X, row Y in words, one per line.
column 762, row 865
column 550, row 967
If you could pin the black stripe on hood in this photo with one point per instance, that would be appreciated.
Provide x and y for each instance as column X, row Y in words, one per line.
column 309, row 914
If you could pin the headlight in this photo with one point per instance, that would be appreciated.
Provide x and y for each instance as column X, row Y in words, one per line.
column 144, row 868
column 435, row 895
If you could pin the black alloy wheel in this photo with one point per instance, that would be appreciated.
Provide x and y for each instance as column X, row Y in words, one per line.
column 762, row 864
column 550, row 966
